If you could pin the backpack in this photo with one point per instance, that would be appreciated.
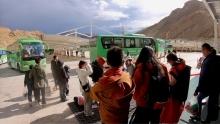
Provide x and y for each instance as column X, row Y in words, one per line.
column 67, row 70
column 180, row 90
column 39, row 72
column 97, row 71
column 158, row 88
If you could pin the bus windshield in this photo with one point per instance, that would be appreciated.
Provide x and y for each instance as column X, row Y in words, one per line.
column 3, row 52
column 30, row 51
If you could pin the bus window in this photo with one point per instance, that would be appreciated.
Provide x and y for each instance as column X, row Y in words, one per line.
column 138, row 42
column 129, row 43
column 107, row 42
column 118, row 42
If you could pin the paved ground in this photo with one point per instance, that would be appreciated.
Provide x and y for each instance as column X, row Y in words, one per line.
column 14, row 107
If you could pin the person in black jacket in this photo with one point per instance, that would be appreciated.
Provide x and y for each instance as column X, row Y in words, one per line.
column 29, row 82
column 209, row 83
column 62, row 78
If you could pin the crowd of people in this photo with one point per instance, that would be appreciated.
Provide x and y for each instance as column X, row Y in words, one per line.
column 160, row 94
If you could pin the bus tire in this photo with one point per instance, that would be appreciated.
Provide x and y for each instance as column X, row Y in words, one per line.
column 18, row 68
column 9, row 63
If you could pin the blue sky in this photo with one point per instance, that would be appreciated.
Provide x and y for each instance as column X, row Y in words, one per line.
column 54, row 16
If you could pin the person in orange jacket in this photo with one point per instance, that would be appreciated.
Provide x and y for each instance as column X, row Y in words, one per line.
column 149, row 95
column 114, row 90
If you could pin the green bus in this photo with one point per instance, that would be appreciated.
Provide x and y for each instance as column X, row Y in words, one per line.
column 3, row 55
column 23, row 53
column 131, row 45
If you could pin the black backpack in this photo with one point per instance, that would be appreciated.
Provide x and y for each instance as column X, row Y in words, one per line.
column 180, row 90
column 158, row 88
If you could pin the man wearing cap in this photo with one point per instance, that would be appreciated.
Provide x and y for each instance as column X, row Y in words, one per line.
column 129, row 66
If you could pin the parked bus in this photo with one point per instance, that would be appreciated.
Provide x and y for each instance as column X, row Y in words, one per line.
column 131, row 45
column 3, row 55
column 23, row 53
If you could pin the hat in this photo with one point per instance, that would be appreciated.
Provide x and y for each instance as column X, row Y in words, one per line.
column 101, row 60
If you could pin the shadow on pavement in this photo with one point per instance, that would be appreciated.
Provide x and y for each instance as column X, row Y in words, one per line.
column 22, row 98
column 79, row 115
column 56, row 119
column 9, row 72
column 19, row 109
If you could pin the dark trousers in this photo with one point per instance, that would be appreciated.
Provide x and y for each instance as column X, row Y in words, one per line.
column 212, row 113
column 146, row 116
column 40, row 92
column 63, row 90
column 31, row 89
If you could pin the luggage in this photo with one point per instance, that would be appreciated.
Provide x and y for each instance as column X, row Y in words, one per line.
column 192, row 106
column 79, row 100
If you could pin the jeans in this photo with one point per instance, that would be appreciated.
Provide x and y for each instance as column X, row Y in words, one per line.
column 212, row 113
column 63, row 89
column 146, row 115
column 87, row 104
column 40, row 92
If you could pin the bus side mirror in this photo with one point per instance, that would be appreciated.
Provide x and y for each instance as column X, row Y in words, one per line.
column 49, row 51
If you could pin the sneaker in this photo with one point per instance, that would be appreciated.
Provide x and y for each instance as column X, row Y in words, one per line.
column 194, row 119
column 206, row 122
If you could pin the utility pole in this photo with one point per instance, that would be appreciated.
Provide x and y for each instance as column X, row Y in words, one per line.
column 216, row 45
column 91, row 31
column 76, row 33
column 123, row 29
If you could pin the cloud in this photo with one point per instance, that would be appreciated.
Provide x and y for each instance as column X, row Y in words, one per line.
column 62, row 15
column 108, row 15
column 121, row 3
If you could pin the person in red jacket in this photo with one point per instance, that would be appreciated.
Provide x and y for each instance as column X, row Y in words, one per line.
column 148, row 96
column 179, row 84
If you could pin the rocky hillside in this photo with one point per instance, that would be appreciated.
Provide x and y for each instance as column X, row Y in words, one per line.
column 8, row 36
column 190, row 22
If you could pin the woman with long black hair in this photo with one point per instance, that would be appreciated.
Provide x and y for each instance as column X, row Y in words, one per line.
column 152, row 87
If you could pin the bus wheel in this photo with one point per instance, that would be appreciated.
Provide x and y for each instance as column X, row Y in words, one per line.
column 9, row 63
column 18, row 67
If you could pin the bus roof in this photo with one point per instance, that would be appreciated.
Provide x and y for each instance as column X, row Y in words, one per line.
column 2, row 48
column 29, row 40
column 126, row 35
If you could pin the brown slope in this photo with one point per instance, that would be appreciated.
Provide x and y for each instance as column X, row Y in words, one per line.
column 8, row 36
column 190, row 22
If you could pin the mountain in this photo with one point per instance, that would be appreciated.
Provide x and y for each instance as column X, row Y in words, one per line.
column 192, row 22
column 8, row 36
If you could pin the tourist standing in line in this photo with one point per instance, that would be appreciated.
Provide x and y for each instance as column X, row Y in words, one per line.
column 62, row 78
column 83, row 72
column 40, row 81
column 114, row 90
column 29, row 82
column 209, row 84
column 152, row 88
column 129, row 66
column 179, row 84
column 54, row 68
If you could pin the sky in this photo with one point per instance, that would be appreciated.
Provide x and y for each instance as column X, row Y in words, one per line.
column 54, row 16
